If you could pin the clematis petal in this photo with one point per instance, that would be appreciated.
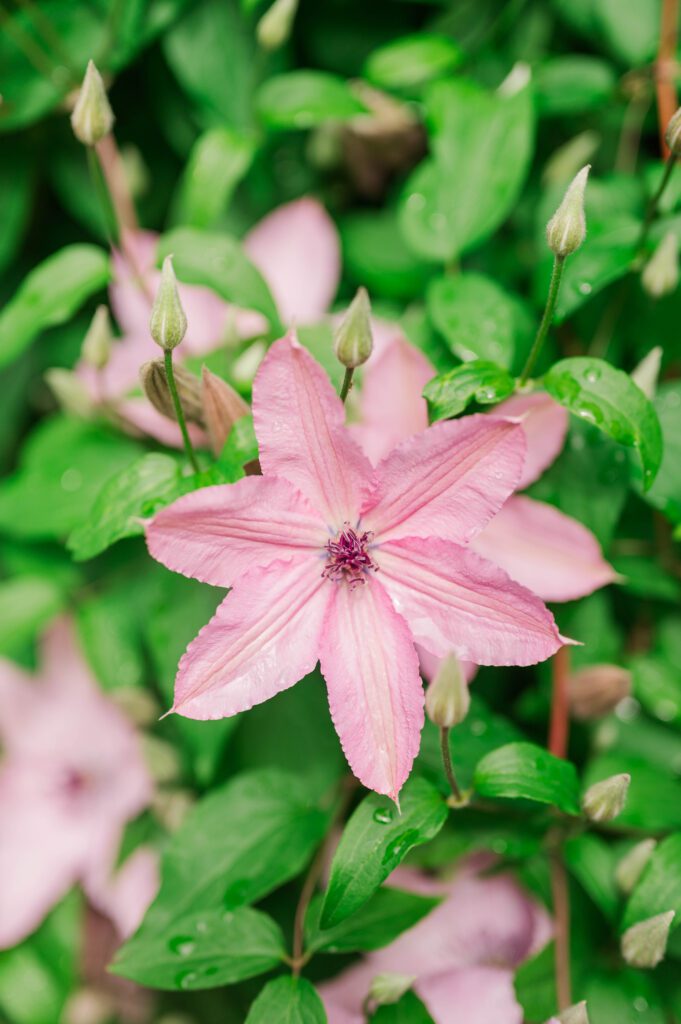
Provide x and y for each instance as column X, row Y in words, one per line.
column 448, row 481
column 476, row 995
column 217, row 534
column 455, row 600
column 546, row 551
column 139, row 413
column 296, row 249
column 545, row 424
column 263, row 638
column 375, row 692
column 299, row 422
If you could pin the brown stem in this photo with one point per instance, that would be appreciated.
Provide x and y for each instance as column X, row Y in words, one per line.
column 561, row 915
column 665, row 67
column 114, row 173
column 559, row 727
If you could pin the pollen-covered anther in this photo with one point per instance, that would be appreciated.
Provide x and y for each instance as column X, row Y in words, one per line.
column 348, row 557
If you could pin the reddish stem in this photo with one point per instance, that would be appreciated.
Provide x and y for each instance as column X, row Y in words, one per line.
column 561, row 914
column 665, row 67
column 559, row 728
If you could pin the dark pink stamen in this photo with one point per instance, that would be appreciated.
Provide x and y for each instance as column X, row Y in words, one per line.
column 349, row 558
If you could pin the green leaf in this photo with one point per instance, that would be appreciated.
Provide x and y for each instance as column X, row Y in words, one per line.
column 656, row 686
column 50, row 294
column 375, row 840
column 665, row 493
column 474, row 315
column 219, row 262
column 287, row 1000
column 27, row 603
column 535, row 985
column 16, row 192
column 523, row 771
column 217, row 163
column 305, row 99
column 412, row 61
column 659, row 887
column 592, row 861
column 457, row 197
column 240, row 448
column 408, row 1010
column 605, row 257
column 623, row 997
column 203, row 949
column 645, row 578
column 477, row 381
column 608, row 398
column 574, row 84
column 386, row 915
column 110, row 631
column 376, row 255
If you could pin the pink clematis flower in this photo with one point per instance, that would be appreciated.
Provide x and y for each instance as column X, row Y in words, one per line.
column 539, row 546
column 71, row 776
column 332, row 560
column 295, row 248
column 462, row 955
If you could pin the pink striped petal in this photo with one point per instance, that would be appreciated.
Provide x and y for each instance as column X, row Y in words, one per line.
column 455, row 600
column 263, row 638
column 474, row 995
column 299, row 422
column 217, row 534
column 546, row 551
column 448, row 481
column 296, row 249
column 375, row 692
column 545, row 424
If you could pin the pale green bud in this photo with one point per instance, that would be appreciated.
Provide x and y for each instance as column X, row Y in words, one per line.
column 673, row 134
column 70, row 391
column 630, row 868
column 96, row 347
column 389, row 987
column 353, row 341
column 661, row 273
column 605, row 800
column 576, row 1014
column 566, row 230
column 275, row 26
column 448, row 696
column 645, row 375
column 161, row 758
column 155, row 386
column 645, row 943
column 168, row 323
column 245, row 367
column 92, row 116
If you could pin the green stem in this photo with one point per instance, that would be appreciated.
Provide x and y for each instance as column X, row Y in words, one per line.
column 347, row 383
column 651, row 210
column 554, row 288
column 179, row 414
column 447, row 763
column 108, row 210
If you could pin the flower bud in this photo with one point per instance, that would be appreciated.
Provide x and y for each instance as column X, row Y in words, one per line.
column 92, row 116
column 673, row 134
column 596, row 690
column 661, row 273
column 566, row 230
column 96, row 347
column 645, row 375
column 448, row 696
column 605, row 800
column 168, row 323
column 70, row 392
column 155, row 387
column 88, row 1006
column 353, row 342
column 275, row 26
column 645, row 943
column 222, row 407
column 630, row 868
column 389, row 987
column 576, row 1014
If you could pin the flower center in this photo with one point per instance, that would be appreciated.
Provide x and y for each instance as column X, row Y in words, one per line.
column 348, row 557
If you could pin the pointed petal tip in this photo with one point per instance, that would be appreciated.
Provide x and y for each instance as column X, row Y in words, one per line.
column 171, row 711
column 567, row 641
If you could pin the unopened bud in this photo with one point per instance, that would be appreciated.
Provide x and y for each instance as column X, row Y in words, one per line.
column 245, row 367
column 645, row 943
column 171, row 807
column 92, row 116
column 389, row 987
column 70, row 391
column 576, row 1014
column 630, row 868
column 673, row 134
column 661, row 273
column 448, row 696
column 161, row 759
column 596, row 690
column 155, row 387
column 137, row 703
column 353, row 342
column 275, row 26
column 96, row 347
column 222, row 407
column 605, row 800
column 168, row 323
column 646, row 374
column 88, row 1006
column 566, row 230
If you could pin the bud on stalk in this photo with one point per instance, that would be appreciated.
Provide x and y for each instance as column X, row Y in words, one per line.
column 596, row 690
column 645, row 943
column 222, row 407
column 630, row 868
column 70, row 392
column 389, row 988
column 576, row 1014
column 353, row 341
column 92, row 116
column 154, row 381
column 96, row 347
column 275, row 26
column 673, row 134
column 168, row 323
column 448, row 696
column 566, row 230
column 605, row 800
column 661, row 273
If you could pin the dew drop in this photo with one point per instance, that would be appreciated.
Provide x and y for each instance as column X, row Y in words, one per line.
column 640, row 1004
column 383, row 815
column 585, row 288
column 202, row 926
column 183, row 945
column 592, row 375
column 186, row 979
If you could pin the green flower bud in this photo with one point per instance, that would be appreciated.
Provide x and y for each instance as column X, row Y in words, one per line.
column 155, row 386
column 576, row 1014
column 92, row 116
column 448, row 696
column 566, row 230
column 353, row 342
column 661, row 273
column 96, row 347
column 630, row 868
column 605, row 800
column 645, row 943
column 645, row 375
column 389, row 988
column 275, row 26
column 673, row 134
column 70, row 392
column 168, row 323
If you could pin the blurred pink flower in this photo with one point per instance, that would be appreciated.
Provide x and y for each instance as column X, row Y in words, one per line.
column 463, row 954
column 71, row 776
column 333, row 560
